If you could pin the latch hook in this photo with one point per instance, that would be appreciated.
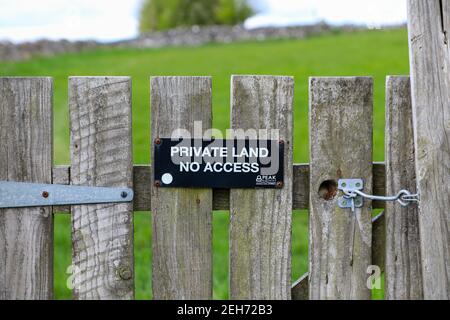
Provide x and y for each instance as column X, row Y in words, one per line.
column 353, row 195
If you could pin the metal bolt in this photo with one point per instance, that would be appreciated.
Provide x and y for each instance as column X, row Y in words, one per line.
column 45, row 194
column 125, row 273
column 358, row 184
column 157, row 141
column 124, row 194
column 157, row 183
column 279, row 184
column 343, row 184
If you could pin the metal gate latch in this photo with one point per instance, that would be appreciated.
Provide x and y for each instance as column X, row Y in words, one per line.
column 23, row 194
column 354, row 197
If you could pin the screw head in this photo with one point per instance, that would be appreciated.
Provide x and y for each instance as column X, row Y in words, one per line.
column 45, row 194
column 344, row 202
column 124, row 194
column 279, row 184
column 158, row 141
column 157, row 183
column 343, row 184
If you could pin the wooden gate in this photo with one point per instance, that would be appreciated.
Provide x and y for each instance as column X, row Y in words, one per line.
column 411, row 244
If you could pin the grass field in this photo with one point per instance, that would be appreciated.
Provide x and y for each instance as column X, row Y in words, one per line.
column 370, row 53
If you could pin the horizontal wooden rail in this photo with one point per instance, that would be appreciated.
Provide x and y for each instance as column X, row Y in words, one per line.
column 221, row 199
column 142, row 178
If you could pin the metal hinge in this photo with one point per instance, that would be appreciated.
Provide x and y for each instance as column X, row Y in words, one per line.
column 354, row 197
column 22, row 194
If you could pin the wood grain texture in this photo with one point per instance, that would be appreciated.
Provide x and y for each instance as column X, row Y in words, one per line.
column 340, row 147
column 142, row 175
column 379, row 184
column 61, row 175
column 101, row 154
column 26, row 155
column 403, row 279
column 182, row 218
column 300, row 187
column 260, row 220
column 300, row 289
column 428, row 26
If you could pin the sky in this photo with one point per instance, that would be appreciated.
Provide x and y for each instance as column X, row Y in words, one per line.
column 109, row 20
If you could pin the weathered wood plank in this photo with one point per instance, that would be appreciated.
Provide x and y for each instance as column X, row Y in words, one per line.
column 142, row 188
column 403, row 278
column 300, row 289
column 428, row 24
column 300, row 187
column 260, row 220
column 26, row 155
column 340, row 147
column 61, row 175
column 101, row 154
column 182, row 218
column 379, row 184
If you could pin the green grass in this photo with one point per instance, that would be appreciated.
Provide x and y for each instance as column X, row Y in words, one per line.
column 370, row 53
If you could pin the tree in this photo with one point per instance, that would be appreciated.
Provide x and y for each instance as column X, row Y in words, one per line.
column 233, row 11
column 166, row 14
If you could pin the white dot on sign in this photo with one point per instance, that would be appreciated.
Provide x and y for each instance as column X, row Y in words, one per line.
column 167, row 178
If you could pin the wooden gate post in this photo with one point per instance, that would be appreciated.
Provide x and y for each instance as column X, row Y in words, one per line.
column 182, row 217
column 26, row 155
column 260, row 220
column 101, row 153
column 403, row 268
column 340, row 147
column 429, row 26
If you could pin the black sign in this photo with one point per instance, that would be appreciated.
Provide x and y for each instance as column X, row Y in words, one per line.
column 196, row 163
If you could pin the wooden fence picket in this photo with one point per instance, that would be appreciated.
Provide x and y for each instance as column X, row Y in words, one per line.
column 403, row 269
column 26, row 155
column 101, row 154
column 260, row 220
column 300, row 289
column 182, row 217
column 428, row 23
column 340, row 147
